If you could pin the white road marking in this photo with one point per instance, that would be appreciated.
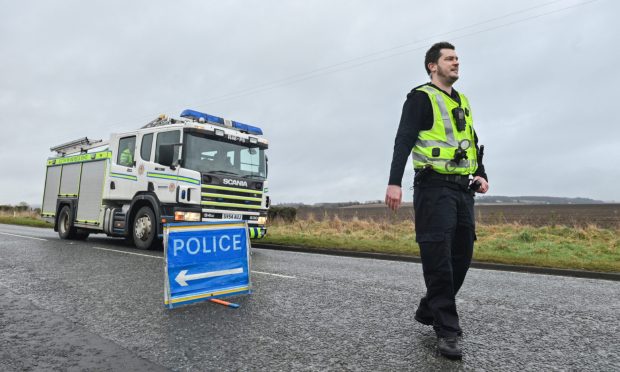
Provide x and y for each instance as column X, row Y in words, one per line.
column 135, row 254
column 278, row 275
column 23, row 236
column 158, row 257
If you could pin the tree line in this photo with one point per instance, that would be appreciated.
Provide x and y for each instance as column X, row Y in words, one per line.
column 21, row 207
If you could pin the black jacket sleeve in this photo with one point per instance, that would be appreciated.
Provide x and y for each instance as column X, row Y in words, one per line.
column 417, row 115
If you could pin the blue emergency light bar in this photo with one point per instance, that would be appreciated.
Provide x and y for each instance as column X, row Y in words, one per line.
column 206, row 117
column 218, row 120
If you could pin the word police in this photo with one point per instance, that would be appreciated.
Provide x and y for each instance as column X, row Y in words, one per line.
column 195, row 246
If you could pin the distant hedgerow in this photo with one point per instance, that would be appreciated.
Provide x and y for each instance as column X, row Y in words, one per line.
column 288, row 214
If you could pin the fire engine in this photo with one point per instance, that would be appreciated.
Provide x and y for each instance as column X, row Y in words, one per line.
column 198, row 167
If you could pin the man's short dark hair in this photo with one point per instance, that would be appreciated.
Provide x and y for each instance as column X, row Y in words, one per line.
column 433, row 54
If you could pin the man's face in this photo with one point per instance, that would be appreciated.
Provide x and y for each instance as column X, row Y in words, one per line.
column 447, row 67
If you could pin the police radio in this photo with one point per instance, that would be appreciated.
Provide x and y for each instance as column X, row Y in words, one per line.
column 459, row 118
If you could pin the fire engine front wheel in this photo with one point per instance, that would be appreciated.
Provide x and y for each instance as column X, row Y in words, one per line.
column 144, row 229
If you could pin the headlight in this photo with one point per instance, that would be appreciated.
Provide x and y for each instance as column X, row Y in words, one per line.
column 187, row 216
column 262, row 220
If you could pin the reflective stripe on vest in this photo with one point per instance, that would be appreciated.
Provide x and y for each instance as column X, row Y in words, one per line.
column 443, row 136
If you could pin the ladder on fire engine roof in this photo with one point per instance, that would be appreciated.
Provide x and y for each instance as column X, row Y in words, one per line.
column 161, row 120
column 82, row 145
column 79, row 145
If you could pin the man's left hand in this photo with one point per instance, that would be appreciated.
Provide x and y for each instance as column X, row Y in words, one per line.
column 484, row 185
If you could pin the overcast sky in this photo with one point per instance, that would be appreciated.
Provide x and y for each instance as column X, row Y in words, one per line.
column 326, row 80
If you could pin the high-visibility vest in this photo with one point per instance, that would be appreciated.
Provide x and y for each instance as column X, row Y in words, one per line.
column 436, row 147
column 126, row 157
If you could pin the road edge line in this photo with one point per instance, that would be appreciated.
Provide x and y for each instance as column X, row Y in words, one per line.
column 23, row 236
column 475, row 264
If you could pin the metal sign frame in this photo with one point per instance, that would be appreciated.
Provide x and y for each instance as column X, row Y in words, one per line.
column 175, row 298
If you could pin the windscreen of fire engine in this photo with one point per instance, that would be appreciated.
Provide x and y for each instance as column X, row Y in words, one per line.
column 207, row 155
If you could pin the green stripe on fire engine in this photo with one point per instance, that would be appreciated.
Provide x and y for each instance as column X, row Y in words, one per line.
column 193, row 181
column 80, row 158
column 231, row 189
column 232, row 205
column 224, row 196
column 89, row 222
column 123, row 176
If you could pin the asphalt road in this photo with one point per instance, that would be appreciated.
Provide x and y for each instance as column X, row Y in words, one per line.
column 98, row 305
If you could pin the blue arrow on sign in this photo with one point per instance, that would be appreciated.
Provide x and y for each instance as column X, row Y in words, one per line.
column 183, row 277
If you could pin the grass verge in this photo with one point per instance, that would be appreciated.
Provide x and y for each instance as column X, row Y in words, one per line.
column 590, row 248
column 25, row 221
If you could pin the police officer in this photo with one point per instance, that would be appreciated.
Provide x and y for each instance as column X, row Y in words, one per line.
column 221, row 161
column 436, row 126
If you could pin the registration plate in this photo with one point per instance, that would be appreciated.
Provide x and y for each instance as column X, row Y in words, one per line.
column 231, row 216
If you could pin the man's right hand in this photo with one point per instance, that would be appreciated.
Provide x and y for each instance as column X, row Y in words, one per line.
column 393, row 196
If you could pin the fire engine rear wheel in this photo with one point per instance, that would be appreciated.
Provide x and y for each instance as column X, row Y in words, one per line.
column 65, row 225
column 145, row 229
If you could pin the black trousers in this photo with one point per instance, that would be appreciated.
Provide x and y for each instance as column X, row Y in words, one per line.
column 445, row 232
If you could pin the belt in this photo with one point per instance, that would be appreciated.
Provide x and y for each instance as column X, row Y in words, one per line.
column 460, row 179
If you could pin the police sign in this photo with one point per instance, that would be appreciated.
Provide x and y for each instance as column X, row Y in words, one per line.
column 205, row 260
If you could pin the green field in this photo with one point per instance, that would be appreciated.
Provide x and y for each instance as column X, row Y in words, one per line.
column 584, row 248
column 24, row 221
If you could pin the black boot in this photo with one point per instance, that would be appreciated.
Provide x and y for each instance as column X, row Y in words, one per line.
column 429, row 322
column 449, row 347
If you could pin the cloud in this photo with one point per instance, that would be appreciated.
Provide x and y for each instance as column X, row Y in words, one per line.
column 541, row 89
